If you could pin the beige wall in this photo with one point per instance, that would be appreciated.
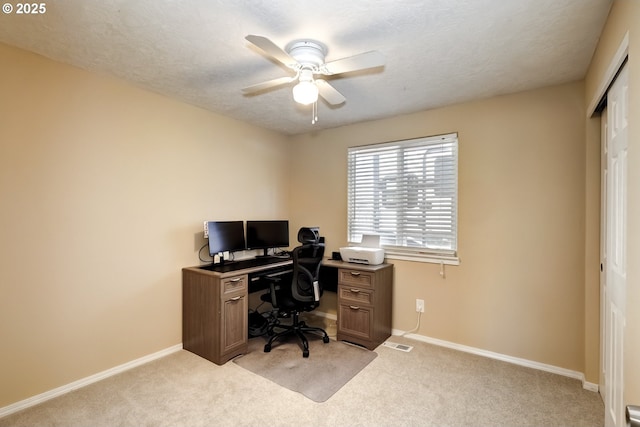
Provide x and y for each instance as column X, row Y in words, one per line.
column 520, row 287
column 103, row 191
column 623, row 19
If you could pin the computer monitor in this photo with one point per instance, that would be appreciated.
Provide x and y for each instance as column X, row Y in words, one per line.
column 225, row 236
column 267, row 234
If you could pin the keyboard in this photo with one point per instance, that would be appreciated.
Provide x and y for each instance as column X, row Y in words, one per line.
column 245, row 263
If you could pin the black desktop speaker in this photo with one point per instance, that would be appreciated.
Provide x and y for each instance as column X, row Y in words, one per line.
column 336, row 256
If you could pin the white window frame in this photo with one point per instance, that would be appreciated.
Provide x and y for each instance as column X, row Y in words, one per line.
column 408, row 222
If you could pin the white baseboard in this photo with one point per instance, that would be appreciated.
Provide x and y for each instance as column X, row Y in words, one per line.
column 32, row 401
column 510, row 359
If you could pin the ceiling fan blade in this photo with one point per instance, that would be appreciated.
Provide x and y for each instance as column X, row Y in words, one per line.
column 361, row 61
column 268, row 84
column 270, row 48
column 329, row 93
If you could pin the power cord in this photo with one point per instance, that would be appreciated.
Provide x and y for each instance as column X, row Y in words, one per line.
column 232, row 255
column 414, row 329
column 200, row 254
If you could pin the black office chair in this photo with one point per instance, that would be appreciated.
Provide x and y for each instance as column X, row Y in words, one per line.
column 298, row 292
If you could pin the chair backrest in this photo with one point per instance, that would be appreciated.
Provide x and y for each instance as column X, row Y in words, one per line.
column 307, row 259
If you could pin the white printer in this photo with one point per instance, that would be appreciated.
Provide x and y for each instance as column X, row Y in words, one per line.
column 369, row 251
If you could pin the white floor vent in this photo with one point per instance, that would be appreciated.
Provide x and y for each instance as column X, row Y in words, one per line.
column 401, row 347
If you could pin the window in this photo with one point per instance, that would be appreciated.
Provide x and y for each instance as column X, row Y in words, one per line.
column 406, row 192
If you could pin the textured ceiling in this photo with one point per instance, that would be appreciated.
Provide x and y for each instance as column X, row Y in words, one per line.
column 438, row 52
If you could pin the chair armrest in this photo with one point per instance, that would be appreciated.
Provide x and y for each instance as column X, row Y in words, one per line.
column 274, row 285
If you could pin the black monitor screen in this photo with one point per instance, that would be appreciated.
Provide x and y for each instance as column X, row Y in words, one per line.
column 225, row 236
column 267, row 234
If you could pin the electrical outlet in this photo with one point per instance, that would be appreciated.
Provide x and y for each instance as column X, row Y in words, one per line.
column 420, row 305
column 206, row 230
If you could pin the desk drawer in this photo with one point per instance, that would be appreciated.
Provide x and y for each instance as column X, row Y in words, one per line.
column 355, row 321
column 351, row 295
column 356, row 277
column 234, row 284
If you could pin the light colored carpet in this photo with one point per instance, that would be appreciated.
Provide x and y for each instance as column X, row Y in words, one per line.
column 430, row 386
column 328, row 367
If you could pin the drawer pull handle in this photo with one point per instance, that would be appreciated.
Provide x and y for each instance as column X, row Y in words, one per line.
column 355, row 291
column 355, row 273
column 354, row 307
column 235, row 280
column 234, row 298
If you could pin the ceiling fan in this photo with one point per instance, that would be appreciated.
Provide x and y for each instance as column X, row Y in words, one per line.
column 307, row 59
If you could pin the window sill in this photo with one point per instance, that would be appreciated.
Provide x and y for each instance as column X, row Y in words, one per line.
column 418, row 257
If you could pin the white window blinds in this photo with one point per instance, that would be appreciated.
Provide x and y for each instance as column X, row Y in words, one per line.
column 406, row 192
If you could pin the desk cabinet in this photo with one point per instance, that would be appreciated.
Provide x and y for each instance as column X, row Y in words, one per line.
column 364, row 303
column 214, row 314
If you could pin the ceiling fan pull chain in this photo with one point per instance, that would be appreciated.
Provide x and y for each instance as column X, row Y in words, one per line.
column 314, row 113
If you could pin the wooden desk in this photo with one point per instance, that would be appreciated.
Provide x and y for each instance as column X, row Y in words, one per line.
column 215, row 307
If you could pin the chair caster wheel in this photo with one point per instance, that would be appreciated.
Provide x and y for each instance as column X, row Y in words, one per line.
column 267, row 348
column 305, row 353
column 325, row 339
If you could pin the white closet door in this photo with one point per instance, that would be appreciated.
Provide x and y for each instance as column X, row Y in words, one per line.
column 616, row 248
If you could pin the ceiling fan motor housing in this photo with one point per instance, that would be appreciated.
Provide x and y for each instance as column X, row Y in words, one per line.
column 308, row 53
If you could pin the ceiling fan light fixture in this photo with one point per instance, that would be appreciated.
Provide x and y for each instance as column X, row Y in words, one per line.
column 305, row 92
